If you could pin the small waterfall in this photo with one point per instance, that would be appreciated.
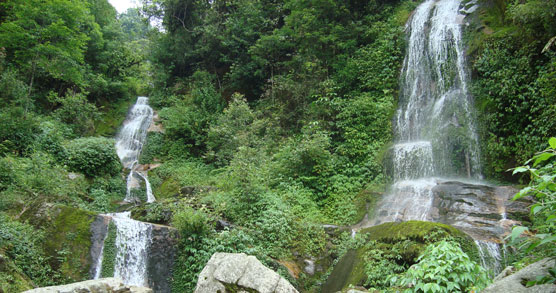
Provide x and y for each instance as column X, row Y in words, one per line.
column 130, row 141
column 97, row 270
column 133, row 239
column 491, row 256
column 132, row 242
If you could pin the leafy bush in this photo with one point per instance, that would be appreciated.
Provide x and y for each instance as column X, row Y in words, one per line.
column 76, row 111
column 18, row 132
column 230, row 131
column 443, row 267
column 190, row 222
column 93, row 156
column 542, row 170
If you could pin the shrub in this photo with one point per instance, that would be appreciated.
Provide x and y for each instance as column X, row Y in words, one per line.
column 93, row 156
column 18, row 132
column 191, row 223
column 443, row 267
column 76, row 111
column 543, row 188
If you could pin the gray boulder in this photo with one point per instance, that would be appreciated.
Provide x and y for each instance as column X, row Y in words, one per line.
column 106, row 285
column 515, row 282
column 238, row 272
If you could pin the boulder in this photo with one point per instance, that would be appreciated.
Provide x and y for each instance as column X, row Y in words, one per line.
column 238, row 272
column 107, row 285
column 514, row 282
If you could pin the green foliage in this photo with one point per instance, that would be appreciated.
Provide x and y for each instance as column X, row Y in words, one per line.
column 191, row 223
column 380, row 263
column 18, row 132
column 514, row 85
column 23, row 245
column 76, row 111
column 93, row 156
column 232, row 129
column 542, row 171
column 109, row 253
column 443, row 267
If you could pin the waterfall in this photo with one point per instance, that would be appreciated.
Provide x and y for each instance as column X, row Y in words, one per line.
column 129, row 143
column 435, row 134
column 132, row 241
column 434, row 129
column 490, row 255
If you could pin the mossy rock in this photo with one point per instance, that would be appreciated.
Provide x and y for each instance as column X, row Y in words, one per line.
column 414, row 235
column 69, row 238
column 413, row 230
column 167, row 189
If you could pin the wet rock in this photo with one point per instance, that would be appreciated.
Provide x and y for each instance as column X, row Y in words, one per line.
column 237, row 272
column 107, row 285
column 222, row 224
column 514, row 282
column 161, row 253
column 480, row 210
column 309, row 267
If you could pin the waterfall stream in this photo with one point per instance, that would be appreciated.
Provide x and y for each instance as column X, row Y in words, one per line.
column 133, row 238
column 129, row 143
column 434, row 126
column 132, row 242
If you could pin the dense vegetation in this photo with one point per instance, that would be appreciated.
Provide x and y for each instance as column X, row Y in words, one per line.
column 68, row 71
column 276, row 117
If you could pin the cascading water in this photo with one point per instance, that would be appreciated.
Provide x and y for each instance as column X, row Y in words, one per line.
column 132, row 241
column 433, row 125
column 434, row 128
column 129, row 144
column 133, row 238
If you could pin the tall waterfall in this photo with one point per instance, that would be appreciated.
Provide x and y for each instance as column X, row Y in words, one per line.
column 434, row 124
column 129, row 144
column 435, row 133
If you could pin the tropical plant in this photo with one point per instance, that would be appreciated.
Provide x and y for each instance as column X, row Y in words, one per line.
column 542, row 171
column 443, row 267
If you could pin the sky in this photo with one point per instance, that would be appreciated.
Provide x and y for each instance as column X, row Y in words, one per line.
column 123, row 5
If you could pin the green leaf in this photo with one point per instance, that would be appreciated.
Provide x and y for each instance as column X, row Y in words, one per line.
column 536, row 208
column 542, row 157
column 552, row 142
column 517, row 231
column 520, row 170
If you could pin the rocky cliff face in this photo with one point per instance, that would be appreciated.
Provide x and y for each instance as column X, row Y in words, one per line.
column 484, row 212
column 238, row 272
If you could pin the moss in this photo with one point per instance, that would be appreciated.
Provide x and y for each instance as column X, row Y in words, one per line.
column 413, row 230
column 169, row 187
column 113, row 115
column 70, row 241
column 109, row 253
